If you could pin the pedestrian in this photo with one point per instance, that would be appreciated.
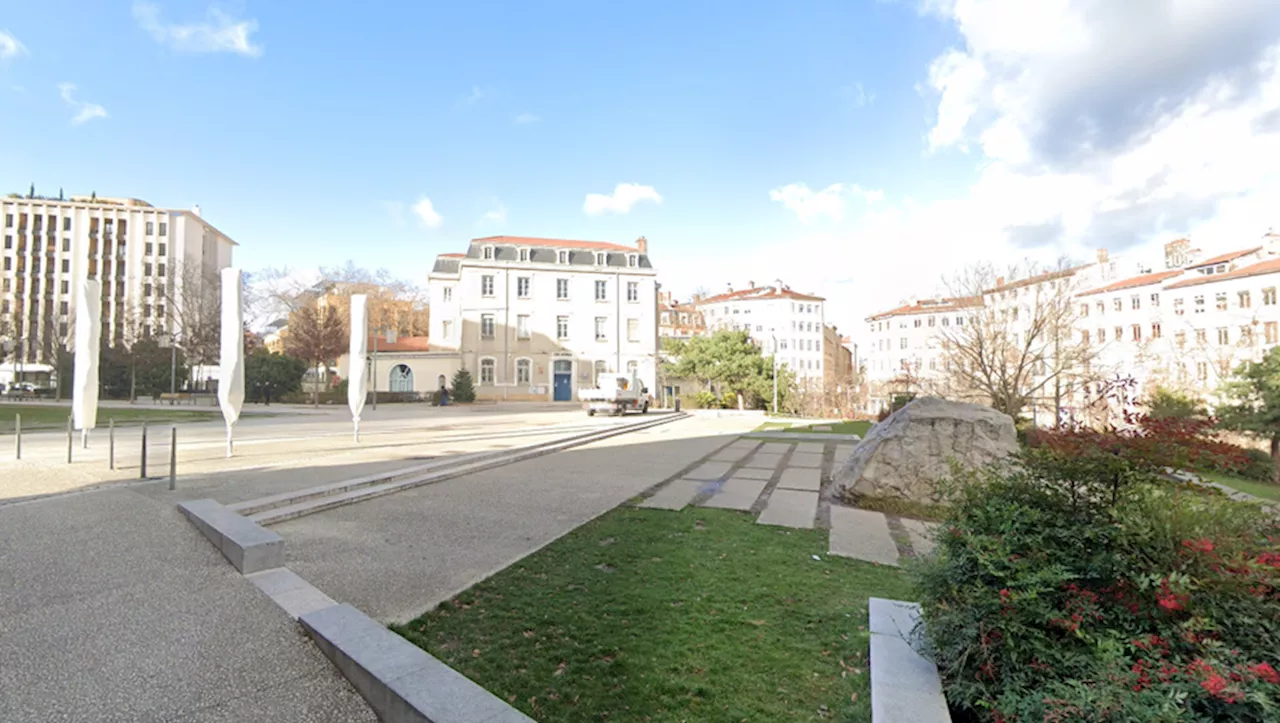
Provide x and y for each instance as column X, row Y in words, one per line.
column 444, row 396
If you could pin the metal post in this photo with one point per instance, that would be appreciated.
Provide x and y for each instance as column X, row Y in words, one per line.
column 17, row 436
column 374, row 369
column 775, row 374
column 173, row 372
column 173, row 457
column 111, row 443
column 143, row 473
column 69, row 436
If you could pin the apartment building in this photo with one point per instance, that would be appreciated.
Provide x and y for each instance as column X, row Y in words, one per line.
column 540, row 318
column 776, row 318
column 677, row 320
column 1185, row 327
column 145, row 257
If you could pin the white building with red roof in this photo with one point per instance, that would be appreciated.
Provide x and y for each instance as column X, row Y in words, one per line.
column 540, row 318
column 781, row 321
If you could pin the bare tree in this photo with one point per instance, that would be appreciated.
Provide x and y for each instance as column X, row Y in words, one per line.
column 189, row 301
column 317, row 337
column 1018, row 342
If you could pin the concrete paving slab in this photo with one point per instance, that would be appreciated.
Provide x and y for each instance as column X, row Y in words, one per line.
column 863, row 535
column 842, row 453
column 709, row 471
column 729, row 454
column 775, row 448
column 763, row 460
column 921, row 534
column 809, row 480
column 905, row 686
column 675, row 495
column 805, row 459
column 737, row 493
column 810, row 448
column 790, row 508
column 753, row 473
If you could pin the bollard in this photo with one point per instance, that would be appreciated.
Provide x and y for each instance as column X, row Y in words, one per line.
column 173, row 458
column 111, row 443
column 69, row 435
column 17, row 435
column 677, row 404
column 143, row 473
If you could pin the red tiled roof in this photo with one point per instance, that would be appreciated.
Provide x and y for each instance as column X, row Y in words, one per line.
column 1038, row 278
column 453, row 256
column 552, row 243
column 930, row 306
column 1224, row 258
column 759, row 292
column 404, row 343
column 1136, row 281
column 1270, row 266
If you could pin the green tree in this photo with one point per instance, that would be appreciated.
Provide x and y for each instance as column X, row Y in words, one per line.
column 317, row 338
column 464, row 389
column 1253, row 402
column 728, row 362
column 268, row 376
column 1170, row 404
column 142, row 369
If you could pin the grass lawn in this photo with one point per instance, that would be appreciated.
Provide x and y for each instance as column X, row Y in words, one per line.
column 859, row 428
column 1258, row 489
column 650, row 615
column 52, row 416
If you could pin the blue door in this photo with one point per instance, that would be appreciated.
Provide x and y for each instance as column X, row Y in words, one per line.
column 563, row 381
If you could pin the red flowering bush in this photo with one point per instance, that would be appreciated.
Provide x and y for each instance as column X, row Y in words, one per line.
column 1074, row 585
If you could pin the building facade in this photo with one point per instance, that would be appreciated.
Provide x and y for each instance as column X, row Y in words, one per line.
column 148, row 259
column 780, row 321
column 538, row 319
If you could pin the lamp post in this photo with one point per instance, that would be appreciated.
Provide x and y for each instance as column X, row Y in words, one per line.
column 373, row 378
column 774, row 337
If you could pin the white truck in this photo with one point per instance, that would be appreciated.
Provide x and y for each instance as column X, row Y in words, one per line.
column 615, row 395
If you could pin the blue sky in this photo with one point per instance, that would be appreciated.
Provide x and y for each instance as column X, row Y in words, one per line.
column 310, row 132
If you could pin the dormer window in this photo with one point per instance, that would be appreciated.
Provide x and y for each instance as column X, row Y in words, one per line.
column 487, row 253
column 600, row 258
column 631, row 260
column 524, row 254
column 563, row 257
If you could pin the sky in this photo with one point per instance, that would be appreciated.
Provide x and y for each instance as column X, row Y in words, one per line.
column 862, row 150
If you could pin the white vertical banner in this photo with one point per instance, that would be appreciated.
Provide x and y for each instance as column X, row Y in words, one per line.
column 84, row 403
column 357, row 373
column 231, row 358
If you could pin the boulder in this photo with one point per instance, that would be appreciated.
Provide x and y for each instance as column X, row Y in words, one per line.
column 909, row 452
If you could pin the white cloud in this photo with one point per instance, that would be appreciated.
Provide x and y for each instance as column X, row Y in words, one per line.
column 84, row 111
column 496, row 215
column 220, row 33
column 527, row 118
column 623, row 198
column 10, row 47
column 809, row 205
column 426, row 211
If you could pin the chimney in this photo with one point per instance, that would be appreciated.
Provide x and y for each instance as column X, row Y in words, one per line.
column 752, row 284
column 642, row 244
column 1103, row 256
column 1271, row 242
column 196, row 210
column 391, row 336
column 730, row 288
column 999, row 281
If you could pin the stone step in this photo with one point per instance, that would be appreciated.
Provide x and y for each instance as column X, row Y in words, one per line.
column 862, row 535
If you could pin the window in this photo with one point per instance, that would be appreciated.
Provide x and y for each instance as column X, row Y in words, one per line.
column 1246, row 336
column 486, row 285
column 66, row 287
column 524, row 254
column 633, row 291
column 146, row 289
column 8, row 242
column 66, row 266
column 1084, row 336
column 522, row 326
column 151, row 228
column 902, row 343
column 562, row 257
column 146, row 269
column 164, row 229
column 8, row 220
column 600, row 258
column 1137, row 332
column 62, row 308
column 600, row 369
column 446, row 329
column 1202, row 371
column 1224, row 336
column 1117, row 303
column 632, row 368
column 148, row 248
column 1271, row 332
column 447, row 294
column 523, row 284
column 1220, row 300
column 486, row 326
column 1177, row 307
column 66, row 244
column 1155, row 331
column 1202, row 337
column 633, row 330
column 163, row 250
column 160, row 310
column 1269, row 296
column 602, row 328
column 66, row 224
column 918, row 322
column 1199, row 304
column 562, row 327
column 1136, row 301
column 1245, row 302
column 1119, row 335
column 946, row 321
column 932, row 320
column 1102, row 308
column 160, row 269
column 601, row 291
column 146, row 311
column 631, row 260
column 486, row 371
column 1155, row 299
column 1180, row 339
column 487, row 253
column 524, row 371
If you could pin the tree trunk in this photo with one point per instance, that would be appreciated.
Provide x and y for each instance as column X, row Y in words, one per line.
column 315, row 389
column 1275, row 456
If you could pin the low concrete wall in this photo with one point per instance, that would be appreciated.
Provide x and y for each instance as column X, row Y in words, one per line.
column 247, row 545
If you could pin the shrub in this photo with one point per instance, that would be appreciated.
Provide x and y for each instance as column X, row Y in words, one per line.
column 1166, row 403
column 729, row 401
column 463, row 389
column 1258, row 466
column 883, row 414
column 1075, row 586
column 1147, row 443
column 705, row 400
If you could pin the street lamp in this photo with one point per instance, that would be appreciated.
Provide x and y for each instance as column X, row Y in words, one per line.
column 775, row 370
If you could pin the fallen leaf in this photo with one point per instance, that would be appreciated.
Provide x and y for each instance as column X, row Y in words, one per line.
column 853, row 698
column 560, row 668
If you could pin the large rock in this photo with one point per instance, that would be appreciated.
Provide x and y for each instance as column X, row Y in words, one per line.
column 906, row 454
